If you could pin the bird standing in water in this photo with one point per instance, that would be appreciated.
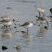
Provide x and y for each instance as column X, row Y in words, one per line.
column 41, row 18
column 27, row 25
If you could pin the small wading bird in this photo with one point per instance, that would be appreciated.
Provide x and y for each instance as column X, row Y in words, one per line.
column 41, row 18
column 6, row 21
column 7, row 34
column 27, row 25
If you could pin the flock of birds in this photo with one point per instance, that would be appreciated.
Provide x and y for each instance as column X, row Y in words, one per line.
column 41, row 19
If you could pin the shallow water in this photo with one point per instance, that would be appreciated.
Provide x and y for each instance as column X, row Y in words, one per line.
column 34, row 42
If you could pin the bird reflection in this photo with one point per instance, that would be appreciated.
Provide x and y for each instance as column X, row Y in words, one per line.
column 42, row 31
column 23, row 32
column 27, row 37
column 6, row 34
column 27, row 25
column 6, row 21
column 41, row 18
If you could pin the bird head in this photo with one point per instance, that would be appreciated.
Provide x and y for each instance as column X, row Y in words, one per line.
column 41, row 10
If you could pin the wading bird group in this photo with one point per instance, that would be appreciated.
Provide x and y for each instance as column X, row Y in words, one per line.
column 40, row 20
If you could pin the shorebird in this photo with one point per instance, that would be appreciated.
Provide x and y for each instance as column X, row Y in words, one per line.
column 6, row 21
column 4, row 48
column 43, row 22
column 41, row 18
column 27, row 25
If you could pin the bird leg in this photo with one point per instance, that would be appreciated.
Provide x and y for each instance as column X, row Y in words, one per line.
column 27, row 31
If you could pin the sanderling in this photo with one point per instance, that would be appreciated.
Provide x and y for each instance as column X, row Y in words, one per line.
column 6, row 21
column 41, row 18
column 27, row 25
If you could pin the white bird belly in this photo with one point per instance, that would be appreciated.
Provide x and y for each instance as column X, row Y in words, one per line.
column 30, row 25
column 7, row 23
